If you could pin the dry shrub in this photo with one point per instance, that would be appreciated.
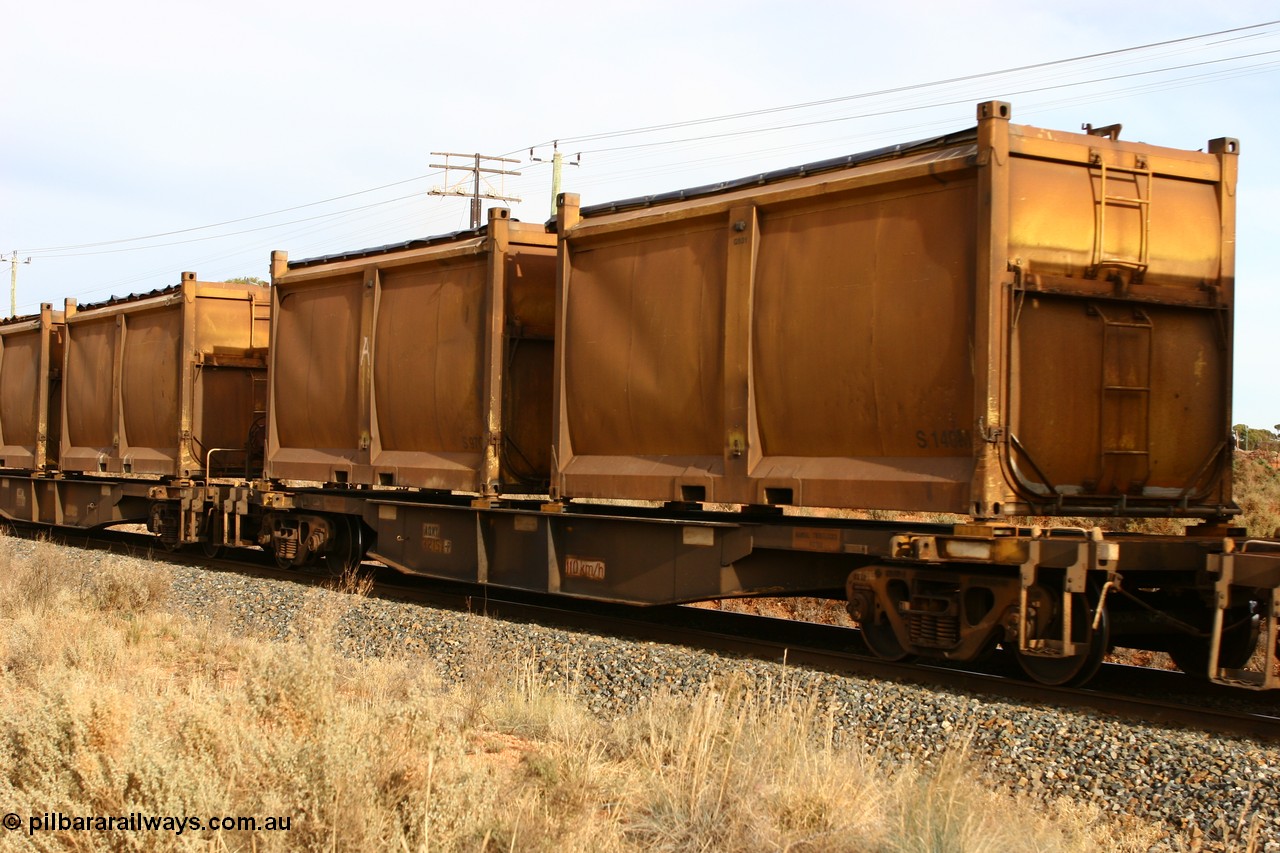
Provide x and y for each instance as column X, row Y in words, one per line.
column 38, row 581
column 133, row 710
column 1257, row 491
column 352, row 580
column 944, row 810
column 728, row 771
column 126, row 587
column 49, row 577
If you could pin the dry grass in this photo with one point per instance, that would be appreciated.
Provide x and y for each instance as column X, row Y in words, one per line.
column 109, row 705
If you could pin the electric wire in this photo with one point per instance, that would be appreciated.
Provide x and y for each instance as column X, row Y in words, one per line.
column 906, row 96
column 887, row 112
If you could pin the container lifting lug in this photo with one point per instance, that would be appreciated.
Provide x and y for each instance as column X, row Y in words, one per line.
column 990, row 434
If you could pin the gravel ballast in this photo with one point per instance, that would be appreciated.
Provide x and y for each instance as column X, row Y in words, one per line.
column 1191, row 782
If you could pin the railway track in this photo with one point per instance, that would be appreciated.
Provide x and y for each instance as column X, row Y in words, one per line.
column 1131, row 693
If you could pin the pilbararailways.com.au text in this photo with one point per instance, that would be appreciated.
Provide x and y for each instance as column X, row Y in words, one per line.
column 138, row 822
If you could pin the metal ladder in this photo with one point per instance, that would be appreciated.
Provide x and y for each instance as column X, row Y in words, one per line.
column 1125, row 428
column 1141, row 202
column 258, row 311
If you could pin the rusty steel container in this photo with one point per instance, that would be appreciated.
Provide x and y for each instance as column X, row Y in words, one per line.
column 426, row 364
column 1004, row 320
column 30, row 389
column 169, row 384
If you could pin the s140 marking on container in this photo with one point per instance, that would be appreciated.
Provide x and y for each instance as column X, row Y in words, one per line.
column 951, row 439
column 576, row 567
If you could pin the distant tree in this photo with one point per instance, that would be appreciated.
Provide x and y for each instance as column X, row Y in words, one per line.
column 1249, row 438
column 246, row 279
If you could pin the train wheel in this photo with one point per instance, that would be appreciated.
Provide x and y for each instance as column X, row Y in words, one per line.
column 1076, row 669
column 882, row 641
column 347, row 552
column 1239, row 642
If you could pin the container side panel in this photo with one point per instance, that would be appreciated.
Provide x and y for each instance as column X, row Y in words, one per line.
column 316, row 362
column 862, row 321
column 19, row 389
column 526, row 455
column 1190, row 384
column 1057, row 410
column 1186, row 245
column 225, row 325
column 644, row 345
column 1117, row 399
column 527, row 383
column 428, row 359
column 1059, row 227
column 531, row 292
column 150, row 379
column 228, row 399
column 1118, row 394
column 87, row 386
column 53, row 441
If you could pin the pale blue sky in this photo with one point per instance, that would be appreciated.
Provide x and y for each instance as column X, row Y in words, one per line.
column 136, row 118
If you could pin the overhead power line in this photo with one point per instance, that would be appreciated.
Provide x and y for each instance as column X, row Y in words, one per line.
column 233, row 221
column 916, row 107
column 270, row 227
column 967, row 78
column 76, row 250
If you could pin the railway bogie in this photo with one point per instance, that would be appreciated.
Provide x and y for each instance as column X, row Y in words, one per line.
column 999, row 321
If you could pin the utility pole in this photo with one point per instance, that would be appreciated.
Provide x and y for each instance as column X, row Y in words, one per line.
column 557, row 163
column 13, row 282
column 475, row 171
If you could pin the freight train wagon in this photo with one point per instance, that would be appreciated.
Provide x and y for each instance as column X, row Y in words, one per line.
column 999, row 321
column 99, row 403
